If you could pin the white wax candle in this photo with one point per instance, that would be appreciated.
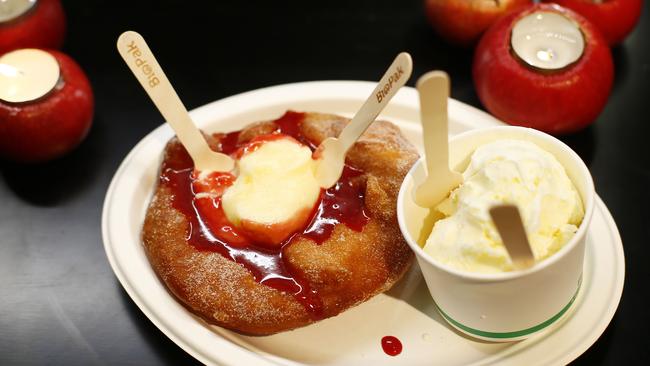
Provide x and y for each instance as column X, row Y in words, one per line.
column 27, row 74
column 547, row 40
column 11, row 9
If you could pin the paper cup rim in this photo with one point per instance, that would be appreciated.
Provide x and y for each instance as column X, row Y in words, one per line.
column 588, row 204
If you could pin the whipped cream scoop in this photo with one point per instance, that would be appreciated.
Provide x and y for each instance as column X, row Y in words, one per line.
column 505, row 172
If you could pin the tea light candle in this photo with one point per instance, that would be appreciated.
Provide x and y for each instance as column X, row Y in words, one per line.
column 544, row 66
column 27, row 75
column 46, row 104
column 31, row 24
column 615, row 19
column 12, row 9
column 547, row 40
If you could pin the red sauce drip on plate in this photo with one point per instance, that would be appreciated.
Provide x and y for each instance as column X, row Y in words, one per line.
column 210, row 230
column 391, row 345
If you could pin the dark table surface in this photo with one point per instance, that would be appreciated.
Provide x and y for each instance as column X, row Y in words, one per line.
column 59, row 300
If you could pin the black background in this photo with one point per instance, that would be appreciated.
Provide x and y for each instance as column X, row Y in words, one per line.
column 59, row 300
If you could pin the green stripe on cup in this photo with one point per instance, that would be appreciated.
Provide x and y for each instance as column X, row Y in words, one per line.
column 516, row 334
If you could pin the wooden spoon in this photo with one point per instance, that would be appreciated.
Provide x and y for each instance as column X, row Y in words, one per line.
column 513, row 234
column 331, row 152
column 433, row 88
column 143, row 64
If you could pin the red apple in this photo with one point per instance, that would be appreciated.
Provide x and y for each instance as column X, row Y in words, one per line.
column 555, row 101
column 50, row 126
column 462, row 22
column 43, row 26
column 615, row 18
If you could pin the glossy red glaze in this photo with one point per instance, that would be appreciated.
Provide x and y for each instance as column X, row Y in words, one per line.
column 43, row 26
column 210, row 230
column 289, row 124
column 556, row 102
column 258, row 141
column 614, row 18
column 48, row 127
column 342, row 203
column 391, row 345
column 228, row 142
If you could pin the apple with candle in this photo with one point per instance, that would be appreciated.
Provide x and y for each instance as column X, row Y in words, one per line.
column 46, row 105
column 31, row 23
column 615, row 18
column 544, row 67
column 462, row 22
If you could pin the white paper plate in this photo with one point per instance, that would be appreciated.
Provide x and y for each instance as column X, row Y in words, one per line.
column 352, row 338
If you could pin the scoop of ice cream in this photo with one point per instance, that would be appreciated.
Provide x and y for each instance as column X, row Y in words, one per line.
column 505, row 171
column 275, row 191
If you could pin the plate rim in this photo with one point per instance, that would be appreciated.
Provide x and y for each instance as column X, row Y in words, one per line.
column 343, row 88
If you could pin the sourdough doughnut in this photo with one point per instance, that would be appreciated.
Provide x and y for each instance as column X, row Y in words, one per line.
column 347, row 268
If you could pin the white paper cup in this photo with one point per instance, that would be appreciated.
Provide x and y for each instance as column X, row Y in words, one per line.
column 505, row 306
